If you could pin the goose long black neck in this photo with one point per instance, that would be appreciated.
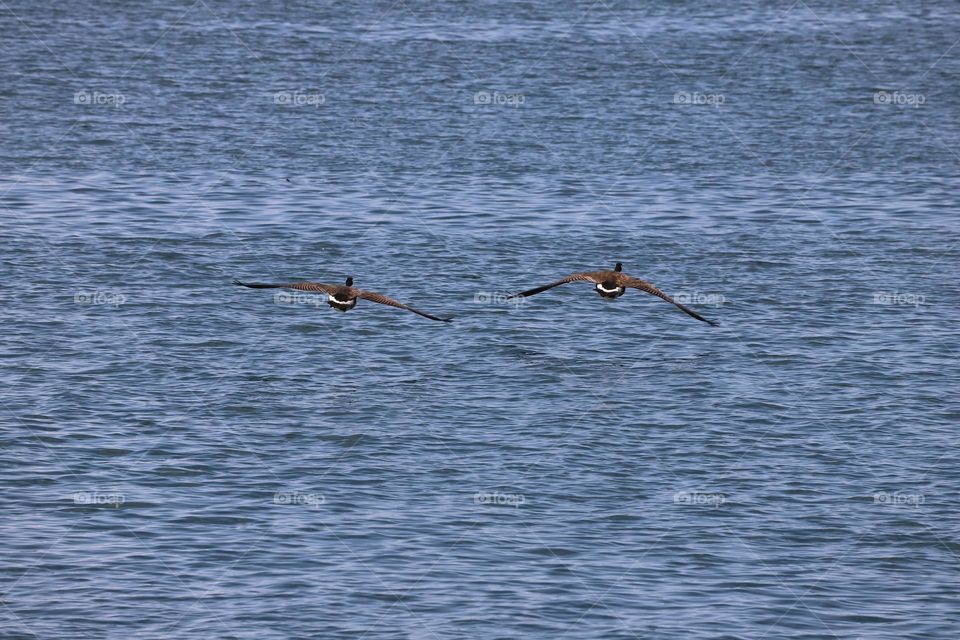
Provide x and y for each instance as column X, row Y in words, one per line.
column 350, row 281
column 619, row 267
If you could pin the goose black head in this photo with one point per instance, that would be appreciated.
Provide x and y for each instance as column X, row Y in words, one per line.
column 619, row 267
column 349, row 281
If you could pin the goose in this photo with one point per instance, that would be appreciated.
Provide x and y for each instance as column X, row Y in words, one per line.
column 341, row 297
column 613, row 284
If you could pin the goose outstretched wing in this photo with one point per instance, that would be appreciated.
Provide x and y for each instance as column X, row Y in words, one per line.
column 643, row 285
column 317, row 287
column 585, row 276
column 382, row 299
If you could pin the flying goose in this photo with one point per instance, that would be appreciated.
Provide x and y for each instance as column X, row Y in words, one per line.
column 341, row 297
column 613, row 284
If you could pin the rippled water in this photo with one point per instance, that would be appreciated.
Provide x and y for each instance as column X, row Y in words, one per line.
column 184, row 458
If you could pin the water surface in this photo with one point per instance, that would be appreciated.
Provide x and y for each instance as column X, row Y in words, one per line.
column 184, row 458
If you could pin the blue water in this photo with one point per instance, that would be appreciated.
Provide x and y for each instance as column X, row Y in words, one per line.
column 182, row 458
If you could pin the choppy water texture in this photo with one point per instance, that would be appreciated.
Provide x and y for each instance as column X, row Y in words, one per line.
column 181, row 458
